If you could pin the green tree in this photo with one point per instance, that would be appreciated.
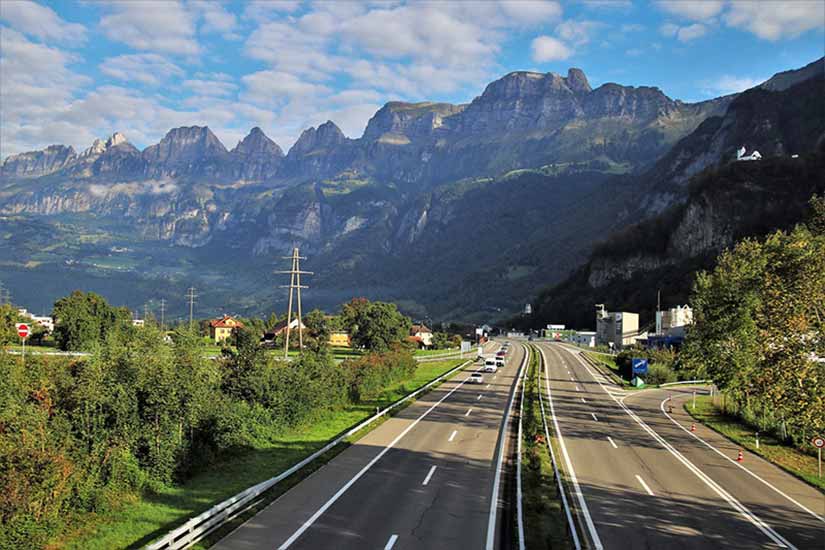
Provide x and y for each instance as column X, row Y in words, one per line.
column 82, row 320
column 375, row 325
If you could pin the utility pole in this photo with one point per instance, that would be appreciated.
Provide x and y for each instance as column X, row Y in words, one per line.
column 145, row 313
column 162, row 310
column 190, row 295
column 294, row 284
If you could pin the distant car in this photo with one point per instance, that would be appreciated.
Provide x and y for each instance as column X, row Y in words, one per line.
column 490, row 365
column 476, row 378
column 529, row 338
column 501, row 354
column 499, row 363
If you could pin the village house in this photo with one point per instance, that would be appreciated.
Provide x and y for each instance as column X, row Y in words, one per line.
column 280, row 328
column 221, row 329
column 339, row 338
column 421, row 335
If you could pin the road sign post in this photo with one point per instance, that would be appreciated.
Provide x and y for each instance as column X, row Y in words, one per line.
column 819, row 442
column 694, row 400
column 23, row 333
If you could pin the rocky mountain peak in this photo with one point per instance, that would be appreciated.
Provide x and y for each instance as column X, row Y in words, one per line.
column 257, row 143
column 116, row 139
column 399, row 122
column 326, row 136
column 577, row 81
column 38, row 163
column 185, row 144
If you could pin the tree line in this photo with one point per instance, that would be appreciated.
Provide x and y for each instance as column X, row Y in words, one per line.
column 759, row 329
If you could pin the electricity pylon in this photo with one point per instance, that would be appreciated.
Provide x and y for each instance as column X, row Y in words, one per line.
column 294, row 284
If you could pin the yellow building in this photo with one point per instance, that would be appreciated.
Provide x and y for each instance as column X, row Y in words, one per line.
column 221, row 329
column 339, row 339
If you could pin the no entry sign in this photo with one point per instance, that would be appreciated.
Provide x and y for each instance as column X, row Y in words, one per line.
column 22, row 330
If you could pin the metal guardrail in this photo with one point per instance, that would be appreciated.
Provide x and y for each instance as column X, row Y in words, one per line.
column 686, row 382
column 201, row 525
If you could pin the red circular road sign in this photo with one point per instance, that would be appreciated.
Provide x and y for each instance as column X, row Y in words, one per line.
column 818, row 442
column 22, row 330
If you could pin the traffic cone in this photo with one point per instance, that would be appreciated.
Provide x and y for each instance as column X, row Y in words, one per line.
column 693, row 427
column 741, row 457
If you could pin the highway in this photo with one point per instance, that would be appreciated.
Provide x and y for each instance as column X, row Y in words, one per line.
column 641, row 479
column 423, row 479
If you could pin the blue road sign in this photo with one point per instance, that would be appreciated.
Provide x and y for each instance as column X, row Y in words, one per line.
column 639, row 365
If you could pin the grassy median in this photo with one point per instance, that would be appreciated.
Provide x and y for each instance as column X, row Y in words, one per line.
column 138, row 522
column 790, row 459
column 545, row 525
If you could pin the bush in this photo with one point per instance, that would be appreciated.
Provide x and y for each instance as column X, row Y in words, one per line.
column 659, row 374
column 370, row 374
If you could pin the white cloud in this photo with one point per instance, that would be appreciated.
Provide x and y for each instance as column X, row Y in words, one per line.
column 730, row 84
column 276, row 87
column 776, row 20
column 547, row 48
column 160, row 26
column 526, row 11
column 267, row 10
column 147, row 68
column 632, row 27
column 216, row 19
column 695, row 10
column 41, row 22
column 683, row 34
column 577, row 33
column 614, row 4
column 203, row 87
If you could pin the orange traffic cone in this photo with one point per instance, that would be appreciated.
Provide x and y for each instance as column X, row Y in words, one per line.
column 693, row 427
column 740, row 457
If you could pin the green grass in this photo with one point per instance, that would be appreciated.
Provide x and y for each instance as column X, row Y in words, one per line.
column 139, row 521
column 609, row 363
column 790, row 459
column 545, row 525
column 428, row 352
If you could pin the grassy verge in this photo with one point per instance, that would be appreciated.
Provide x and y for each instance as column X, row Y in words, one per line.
column 544, row 522
column 428, row 352
column 609, row 364
column 790, row 459
column 136, row 523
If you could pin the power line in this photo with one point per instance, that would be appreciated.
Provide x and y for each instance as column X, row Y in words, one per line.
column 294, row 284
column 190, row 295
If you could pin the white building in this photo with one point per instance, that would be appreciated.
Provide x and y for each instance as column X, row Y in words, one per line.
column 42, row 320
column 674, row 318
column 740, row 155
column 616, row 329
column 584, row 338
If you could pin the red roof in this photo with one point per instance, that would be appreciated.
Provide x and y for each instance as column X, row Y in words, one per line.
column 221, row 323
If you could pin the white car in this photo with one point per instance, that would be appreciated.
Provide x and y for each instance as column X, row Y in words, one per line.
column 476, row 378
column 490, row 365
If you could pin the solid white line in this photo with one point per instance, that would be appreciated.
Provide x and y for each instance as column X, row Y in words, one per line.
column 429, row 475
column 738, row 506
column 611, row 442
column 391, row 542
column 594, row 416
column 452, row 435
column 491, row 519
column 308, row 523
column 478, row 398
column 811, row 512
column 585, row 511
column 642, row 481
column 519, row 493
column 468, row 411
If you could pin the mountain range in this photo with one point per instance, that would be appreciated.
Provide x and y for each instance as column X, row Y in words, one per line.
column 455, row 211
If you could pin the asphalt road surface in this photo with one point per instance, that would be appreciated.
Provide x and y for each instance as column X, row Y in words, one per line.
column 641, row 479
column 423, row 479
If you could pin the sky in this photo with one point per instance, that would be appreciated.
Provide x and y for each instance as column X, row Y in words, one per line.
column 71, row 72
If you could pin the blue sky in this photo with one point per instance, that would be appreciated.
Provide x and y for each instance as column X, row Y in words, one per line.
column 74, row 71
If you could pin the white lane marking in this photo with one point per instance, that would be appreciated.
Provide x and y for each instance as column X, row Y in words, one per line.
column 452, row 435
column 594, row 416
column 738, row 506
column 578, row 389
column 583, row 400
column 468, row 411
column 487, row 387
column 811, row 512
column 308, row 523
column 478, row 398
column 491, row 519
column 611, row 442
column 429, row 475
column 391, row 542
column 577, row 490
column 642, row 481
column 572, row 379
